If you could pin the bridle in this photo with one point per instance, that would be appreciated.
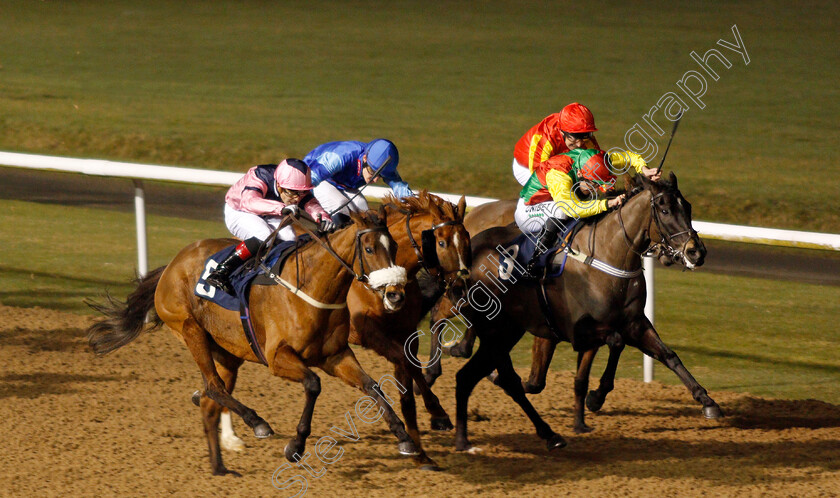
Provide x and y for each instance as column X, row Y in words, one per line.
column 427, row 251
column 666, row 243
column 359, row 253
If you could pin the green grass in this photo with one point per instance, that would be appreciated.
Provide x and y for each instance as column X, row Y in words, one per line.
column 225, row 85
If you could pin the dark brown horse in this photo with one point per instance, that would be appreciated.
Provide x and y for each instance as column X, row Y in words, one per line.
column 293, row 332
column 586, row 306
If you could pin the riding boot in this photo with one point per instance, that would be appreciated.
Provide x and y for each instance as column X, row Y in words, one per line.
column 220, row 277
column 545, row 241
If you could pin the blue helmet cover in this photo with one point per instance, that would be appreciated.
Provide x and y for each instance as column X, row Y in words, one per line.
column 382, row 152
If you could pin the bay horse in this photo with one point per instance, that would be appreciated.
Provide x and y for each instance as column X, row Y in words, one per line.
column 585, row 306
column 292, row 334
column 436, row 262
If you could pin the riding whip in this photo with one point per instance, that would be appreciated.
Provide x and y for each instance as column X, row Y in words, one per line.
column 673, row 130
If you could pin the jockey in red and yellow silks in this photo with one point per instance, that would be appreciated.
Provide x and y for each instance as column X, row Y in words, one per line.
column 547, row 139
column 567, row 186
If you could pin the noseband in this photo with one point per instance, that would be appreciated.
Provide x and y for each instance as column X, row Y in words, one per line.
column 665, row 244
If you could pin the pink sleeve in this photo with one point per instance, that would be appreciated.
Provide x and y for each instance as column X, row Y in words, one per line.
column 254, row 202
column 314, row 209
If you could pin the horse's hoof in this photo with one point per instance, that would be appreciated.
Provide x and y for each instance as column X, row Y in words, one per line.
column 232, row 443
column 464, row 445
column 582, row 429
column 262, row 430
column 493, row 377
column 431, row 467
column 225, row 472
column 712, row 412
column 593, row 402
column 532, row 388
column 407, row 448
column 196, row 398
column 555, row 442
column 292, row 452
column 442, row 424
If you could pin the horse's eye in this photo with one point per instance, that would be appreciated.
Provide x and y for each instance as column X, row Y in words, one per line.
column 368, row 250
column 442, row 243
column 665, row 211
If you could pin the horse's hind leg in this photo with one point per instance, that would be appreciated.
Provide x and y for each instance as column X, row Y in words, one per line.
column 541, row 353
column 211, row 410
column 200, row 345
column 345, row 366
column 643, row 336
column 288, row 365
column 595, row 399
column 584, row 365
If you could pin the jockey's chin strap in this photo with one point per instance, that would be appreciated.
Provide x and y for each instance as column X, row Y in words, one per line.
column 427, row 251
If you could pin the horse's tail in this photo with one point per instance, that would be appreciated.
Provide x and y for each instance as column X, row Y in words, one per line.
column 123, row 322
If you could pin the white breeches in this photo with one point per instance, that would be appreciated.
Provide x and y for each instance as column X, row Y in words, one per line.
column 246, row 225
column 331, row 198
column 530, row 219
column 521, row 173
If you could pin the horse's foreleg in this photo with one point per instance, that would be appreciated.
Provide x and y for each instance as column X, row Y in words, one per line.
column 479, row 366
column 345, row 366
column 644, row 337
column 288, row 365
column 512, row 385
column 199, row 344
column 584, row 364
column 409, row 410
column 541, row 353
column 595, row 399
column 434, row 370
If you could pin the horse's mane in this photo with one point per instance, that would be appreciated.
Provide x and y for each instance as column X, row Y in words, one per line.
column 423, row 202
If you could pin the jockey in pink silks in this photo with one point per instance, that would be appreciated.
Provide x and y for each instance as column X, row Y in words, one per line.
column 255, row 206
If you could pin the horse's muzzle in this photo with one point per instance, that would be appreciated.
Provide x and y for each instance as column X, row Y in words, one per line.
column 394, row 297
column 694, row 253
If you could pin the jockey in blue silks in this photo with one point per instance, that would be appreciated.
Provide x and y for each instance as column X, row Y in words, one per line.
column 340, row 169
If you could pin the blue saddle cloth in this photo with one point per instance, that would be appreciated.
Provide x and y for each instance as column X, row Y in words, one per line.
column 242, row 277
column 522, row 248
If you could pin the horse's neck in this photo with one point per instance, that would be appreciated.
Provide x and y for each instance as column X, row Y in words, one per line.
column 335, row 278
column 622, row 244
column 406, row 256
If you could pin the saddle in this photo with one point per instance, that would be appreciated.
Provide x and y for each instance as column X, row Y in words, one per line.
column 242, row 278
column 520, row 250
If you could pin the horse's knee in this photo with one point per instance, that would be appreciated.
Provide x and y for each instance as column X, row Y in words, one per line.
column 312, row 385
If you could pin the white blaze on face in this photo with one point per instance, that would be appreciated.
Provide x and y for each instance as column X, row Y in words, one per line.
column 457, row 241
column 383, row 239
column 394, row 275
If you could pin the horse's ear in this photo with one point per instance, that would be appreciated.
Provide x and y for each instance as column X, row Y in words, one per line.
column 462, row 207
column 383, row 214
column 357, row 217
column 673, row 179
